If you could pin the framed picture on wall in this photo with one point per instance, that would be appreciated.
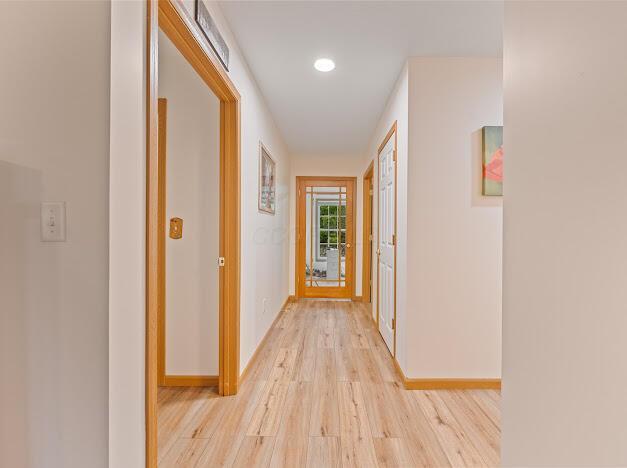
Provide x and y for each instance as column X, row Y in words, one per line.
column 267, row 181
column 211, row 32
column 492, row 161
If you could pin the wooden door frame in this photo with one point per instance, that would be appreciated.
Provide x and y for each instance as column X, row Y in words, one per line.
column 182, row 30
column 392, row 132
column 301, row 182
column 368, row 198
column 162, row 106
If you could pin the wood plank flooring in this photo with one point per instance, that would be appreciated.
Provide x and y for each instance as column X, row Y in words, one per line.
column 323, row 392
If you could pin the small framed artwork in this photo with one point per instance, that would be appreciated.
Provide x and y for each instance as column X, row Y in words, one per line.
column 492, row 179
column 210, row 30
column 267, row 181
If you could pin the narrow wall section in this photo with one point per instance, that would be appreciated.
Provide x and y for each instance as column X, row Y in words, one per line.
column 454, row 233
column 565, row 276
column 396, row 110
column 448, row 283
column 127, row 235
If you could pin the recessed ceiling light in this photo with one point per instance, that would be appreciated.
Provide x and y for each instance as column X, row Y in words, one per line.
column 324, row 65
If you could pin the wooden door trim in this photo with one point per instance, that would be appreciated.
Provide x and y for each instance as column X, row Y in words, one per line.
column 390, row 133
column 366, row 270
column 161, row 224
column 182, row 30
column 330, row 181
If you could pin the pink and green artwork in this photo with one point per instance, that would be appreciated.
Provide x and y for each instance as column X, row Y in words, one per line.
column 492, row 161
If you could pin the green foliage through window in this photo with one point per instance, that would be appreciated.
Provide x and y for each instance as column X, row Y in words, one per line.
column 331, row 228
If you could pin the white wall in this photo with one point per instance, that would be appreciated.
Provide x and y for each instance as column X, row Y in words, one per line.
column 448, row 236
column 264, row 239
column 193, row 194
column 564, row 320
column 54, row 146
column 127, row 247
column 396, row 110
column 339, row 165
column 455, row 238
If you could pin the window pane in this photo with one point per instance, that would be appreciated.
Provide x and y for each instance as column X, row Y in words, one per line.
column 343, row 237
column 332, row 237
column 332, row 222
column 343, row 222
column 333, row 210
column 343, row 250
column 324, row 210
column 324, row 237
column 343, row 210
column 324, row 222
column 323, row 250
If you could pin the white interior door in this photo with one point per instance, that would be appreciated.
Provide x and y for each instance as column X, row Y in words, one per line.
column 386, row 240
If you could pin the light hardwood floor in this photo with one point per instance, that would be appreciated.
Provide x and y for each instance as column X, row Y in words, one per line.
column 323, row 391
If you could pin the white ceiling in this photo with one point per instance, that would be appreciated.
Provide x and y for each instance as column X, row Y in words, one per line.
column 336, row 112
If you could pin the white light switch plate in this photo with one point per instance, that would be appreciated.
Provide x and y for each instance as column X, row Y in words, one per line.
column 53, row 221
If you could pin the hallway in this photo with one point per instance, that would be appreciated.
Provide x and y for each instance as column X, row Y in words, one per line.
column 323, row 391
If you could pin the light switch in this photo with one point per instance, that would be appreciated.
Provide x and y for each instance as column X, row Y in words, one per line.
column 53, row 221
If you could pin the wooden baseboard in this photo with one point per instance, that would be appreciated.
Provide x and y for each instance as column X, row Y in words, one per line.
column 244, row 373
column 452, row 384
column 358, row 299
column 399, row 371
column 446, row 384
column 190, row 381
column 287, row 301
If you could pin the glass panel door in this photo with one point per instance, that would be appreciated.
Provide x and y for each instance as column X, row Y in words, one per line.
column 327, row 225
